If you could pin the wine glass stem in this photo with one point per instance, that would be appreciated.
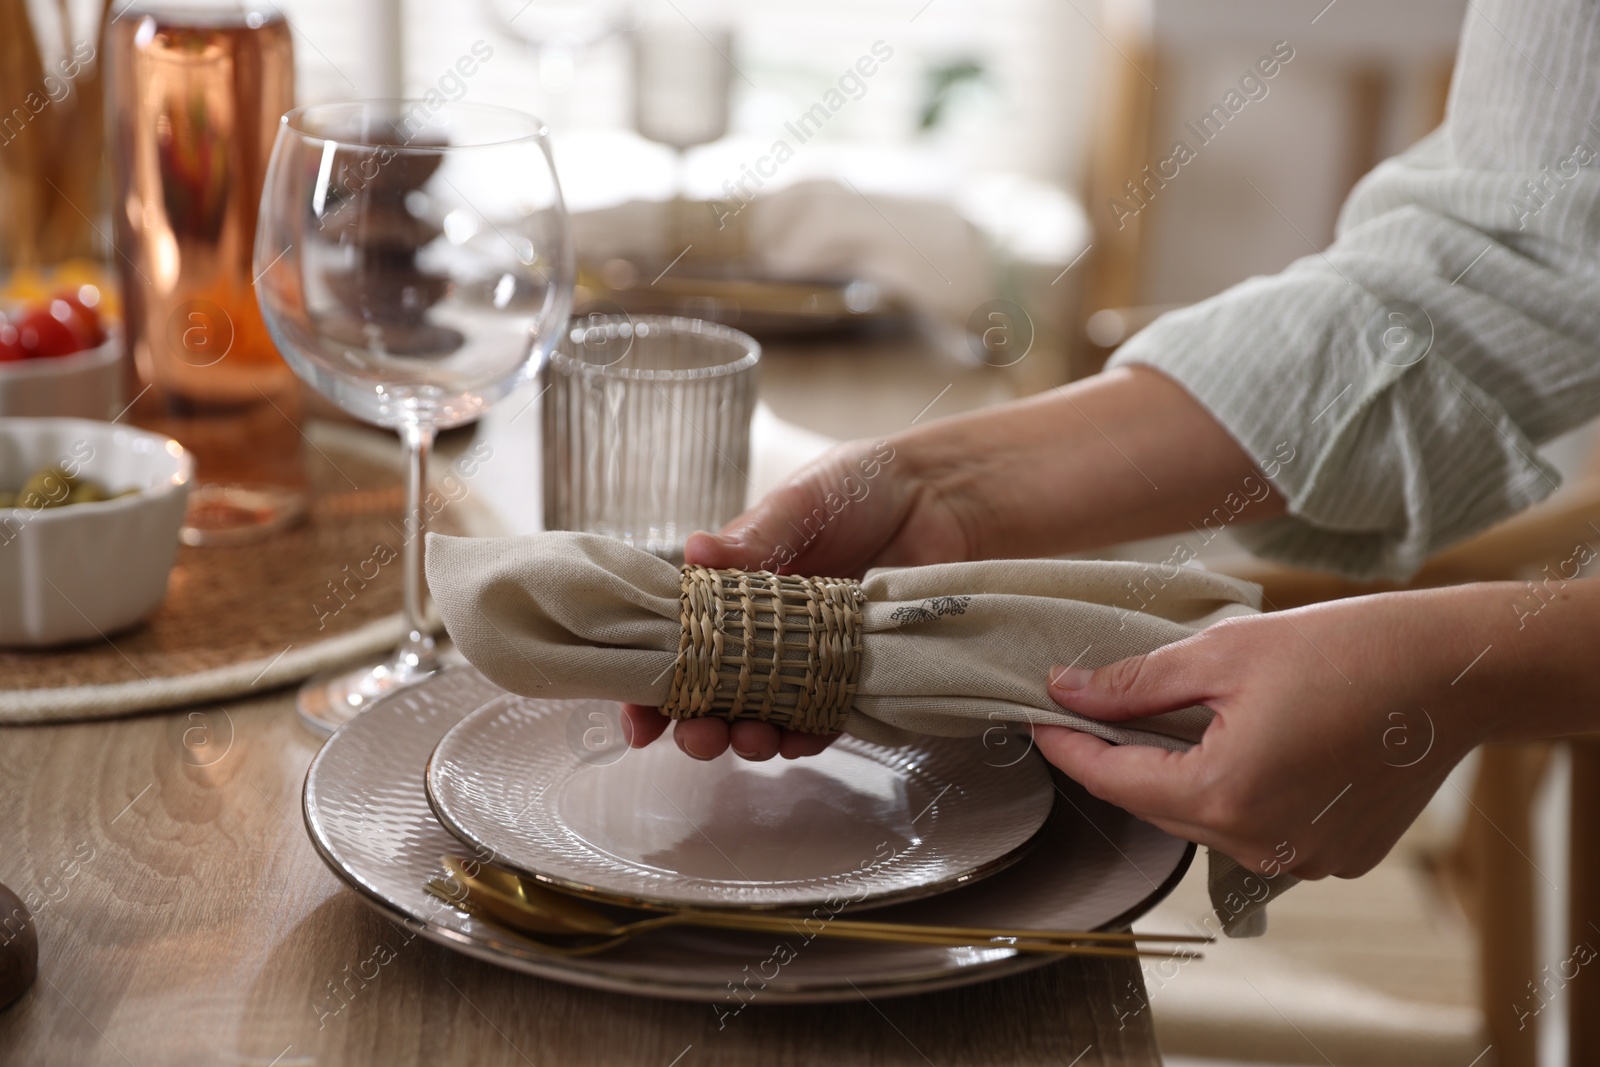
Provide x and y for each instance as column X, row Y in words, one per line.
column 678, row 228
column 680, row 173
column 416, row 655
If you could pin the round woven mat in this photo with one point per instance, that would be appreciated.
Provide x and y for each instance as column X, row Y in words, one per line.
column 244, row 620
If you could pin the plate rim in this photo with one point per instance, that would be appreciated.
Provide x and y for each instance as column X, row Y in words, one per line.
column 887, row 898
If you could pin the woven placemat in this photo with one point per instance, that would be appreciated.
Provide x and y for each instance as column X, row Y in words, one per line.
column 244, row 620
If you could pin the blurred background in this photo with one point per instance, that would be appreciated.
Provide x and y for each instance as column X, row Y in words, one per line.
column 1011, row 124
column 929, row 205
column 1005, row 133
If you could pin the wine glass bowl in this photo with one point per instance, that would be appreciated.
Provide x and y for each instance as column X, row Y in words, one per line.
column 558, row 33
column 414, row 265
column 682, row 82
column 412, row 258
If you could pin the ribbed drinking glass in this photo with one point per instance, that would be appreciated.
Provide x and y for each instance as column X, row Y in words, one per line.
column 647, row 429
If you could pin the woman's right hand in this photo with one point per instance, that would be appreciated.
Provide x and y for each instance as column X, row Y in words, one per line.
column 864, row 504
column 1034, row 477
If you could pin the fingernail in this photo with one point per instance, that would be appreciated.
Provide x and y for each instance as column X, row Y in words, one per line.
column 1069, row 679
column 744, row 753
column 692, row 754
column 722, row 549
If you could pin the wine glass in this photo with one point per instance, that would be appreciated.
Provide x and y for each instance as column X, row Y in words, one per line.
column 682, row 81
column 558, row 33
column 414, row 265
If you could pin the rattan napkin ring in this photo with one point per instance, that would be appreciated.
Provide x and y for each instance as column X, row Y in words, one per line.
column 774, row 647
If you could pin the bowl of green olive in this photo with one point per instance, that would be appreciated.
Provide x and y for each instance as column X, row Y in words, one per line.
column 89, row 519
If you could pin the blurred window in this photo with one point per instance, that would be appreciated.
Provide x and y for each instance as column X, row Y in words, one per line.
column 987, row 84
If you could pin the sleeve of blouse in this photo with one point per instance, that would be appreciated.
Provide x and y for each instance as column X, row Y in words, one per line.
column 1394, row 387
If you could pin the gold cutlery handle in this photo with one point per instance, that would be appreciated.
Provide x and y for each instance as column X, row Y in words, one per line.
column 907, row 934
column 502, row 896
column 978, row 933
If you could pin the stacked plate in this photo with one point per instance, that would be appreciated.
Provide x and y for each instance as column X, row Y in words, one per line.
column 957, row 831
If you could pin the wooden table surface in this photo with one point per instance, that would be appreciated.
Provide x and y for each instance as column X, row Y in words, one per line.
column 184, row 918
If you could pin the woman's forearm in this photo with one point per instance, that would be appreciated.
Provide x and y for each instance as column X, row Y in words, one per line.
column 1529, row 667
column 1123, row 455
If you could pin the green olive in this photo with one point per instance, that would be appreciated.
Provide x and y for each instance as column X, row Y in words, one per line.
column 86, row 492
column 47, row 488
column 53, row 487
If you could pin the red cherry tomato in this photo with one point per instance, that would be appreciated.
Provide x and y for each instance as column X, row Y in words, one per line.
column 10, row 347
column 84, row 301
column 42, row 335
column 66, row 308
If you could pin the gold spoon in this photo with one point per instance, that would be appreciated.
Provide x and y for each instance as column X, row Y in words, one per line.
column 538, row 912
column 453, row 894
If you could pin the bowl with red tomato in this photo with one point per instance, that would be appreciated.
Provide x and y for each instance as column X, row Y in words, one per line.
column 58, row 358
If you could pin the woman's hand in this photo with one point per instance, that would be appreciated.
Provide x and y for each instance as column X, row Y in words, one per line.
column 862, row 505
column 1035, row 477
column 1334, row 726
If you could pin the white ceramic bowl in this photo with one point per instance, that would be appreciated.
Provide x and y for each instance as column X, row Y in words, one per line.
column 88, row 570
column 84, row 385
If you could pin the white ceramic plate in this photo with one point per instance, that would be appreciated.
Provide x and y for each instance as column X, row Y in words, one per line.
column 859, row 822
column 1094, row 867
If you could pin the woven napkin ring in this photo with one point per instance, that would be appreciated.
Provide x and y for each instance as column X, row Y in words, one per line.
column 778, row 648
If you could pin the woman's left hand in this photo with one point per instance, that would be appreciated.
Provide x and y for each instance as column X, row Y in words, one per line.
column 1334, row 726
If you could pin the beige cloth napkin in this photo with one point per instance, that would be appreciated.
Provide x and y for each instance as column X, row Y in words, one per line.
column 950, row 649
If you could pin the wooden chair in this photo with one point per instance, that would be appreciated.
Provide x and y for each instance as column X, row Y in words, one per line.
column 1372, row 43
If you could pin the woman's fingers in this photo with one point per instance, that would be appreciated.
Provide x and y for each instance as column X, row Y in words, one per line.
column 752, row 740
column 834, row 517
column 703, row 739
column 795, row 745
column 642, row 725
column 706, row 739
column 1167, row 679
column 749, row 542
column 1150, row 782
column 1160, row 787
column 721, row 551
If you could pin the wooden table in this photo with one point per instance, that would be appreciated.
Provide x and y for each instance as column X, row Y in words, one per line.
column 187, row 920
